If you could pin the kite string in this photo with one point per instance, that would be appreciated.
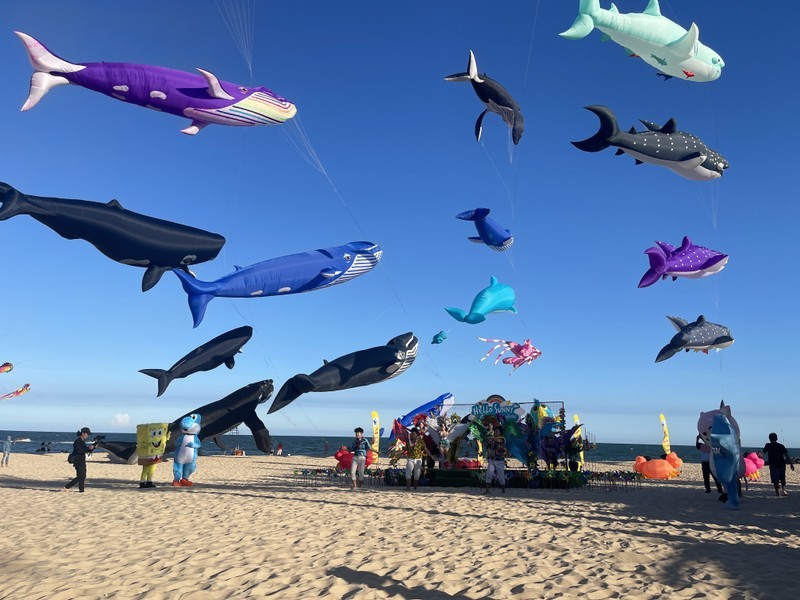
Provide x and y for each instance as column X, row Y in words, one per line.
column 239, row 18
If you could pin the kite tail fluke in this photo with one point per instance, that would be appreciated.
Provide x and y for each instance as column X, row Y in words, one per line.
column 584, row 23
column 667, row 351
column 199, row 292
column 473, row 215
column 608, row 130
column 12, row 201
column 291, row 391
column 161, row 375
column 658, row 263
column 44, row 63
column 457, row 313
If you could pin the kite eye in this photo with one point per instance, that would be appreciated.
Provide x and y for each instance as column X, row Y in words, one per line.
column 243, row 90
column 347, row 257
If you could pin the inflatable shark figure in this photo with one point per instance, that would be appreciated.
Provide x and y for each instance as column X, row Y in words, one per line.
column 202, row 98
column 659, row 42
column 726, row 459
column 682, row 153
column 689, row 261
column 700, row 336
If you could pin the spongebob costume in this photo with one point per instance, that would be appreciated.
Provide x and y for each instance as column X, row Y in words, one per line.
column 151, row 442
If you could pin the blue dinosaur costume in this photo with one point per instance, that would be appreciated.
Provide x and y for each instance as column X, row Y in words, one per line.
column 186, row 446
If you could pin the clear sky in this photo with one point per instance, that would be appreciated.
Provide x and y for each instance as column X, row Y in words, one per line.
column 397, row 160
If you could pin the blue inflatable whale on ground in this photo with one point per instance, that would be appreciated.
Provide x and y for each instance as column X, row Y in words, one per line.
column 726, row 460
column 490, row 232
column 290, row 274
column 498, row 297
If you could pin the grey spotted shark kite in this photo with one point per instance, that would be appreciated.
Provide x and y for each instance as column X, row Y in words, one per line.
column 700, row 336
column 680, row 152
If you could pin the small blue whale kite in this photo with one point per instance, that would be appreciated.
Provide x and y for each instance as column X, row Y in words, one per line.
column 439, row 338
column 490, row 232
column 290, row 274
column 498, row 297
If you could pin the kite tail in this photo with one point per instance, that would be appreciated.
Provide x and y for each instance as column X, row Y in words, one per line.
column 161, row 375
column 457, row 313
column 608, row 130
column 658, row 262
column 473, row 215
column 44, row 63
column 667, row 351
column 12, row 200
column 290, row 391
column 584, row 22
column 200, row 294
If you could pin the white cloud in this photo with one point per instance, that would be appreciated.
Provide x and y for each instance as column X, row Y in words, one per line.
column 121, row 420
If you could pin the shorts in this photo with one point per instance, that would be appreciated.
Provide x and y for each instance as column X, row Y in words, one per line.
column 413, row 466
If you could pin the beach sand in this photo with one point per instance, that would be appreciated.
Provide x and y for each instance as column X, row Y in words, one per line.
column 252, row 528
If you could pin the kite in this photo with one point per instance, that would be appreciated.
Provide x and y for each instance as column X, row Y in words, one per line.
column 680, row 152
column 658, row 468
column 439, row 338
column 496, row 98
column 284, row 275
column 18, row 392
column 490, row 232
column 122, row 235
column 524, row 353
column 202, row 98
column 435, row 408
column 726, row 461
column 689, row 261
column 498, row 297
column 6, row 367
column 665, row 441
column 700, row 336
column 221, row 350
column 364, row 367
column 659, row 42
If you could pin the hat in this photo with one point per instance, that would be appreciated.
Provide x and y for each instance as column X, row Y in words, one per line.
column 86, row 430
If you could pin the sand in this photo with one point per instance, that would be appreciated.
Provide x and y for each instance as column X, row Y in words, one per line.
column 252, row 528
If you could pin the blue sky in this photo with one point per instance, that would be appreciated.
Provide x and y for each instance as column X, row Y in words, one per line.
column 396, row 145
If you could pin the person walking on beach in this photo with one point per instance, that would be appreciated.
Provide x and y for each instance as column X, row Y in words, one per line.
column 79, row 450
column 7, row 443
column 705, row 464
column 415, row 452
column 777, row 457
column 495, row 457
column 359, row 448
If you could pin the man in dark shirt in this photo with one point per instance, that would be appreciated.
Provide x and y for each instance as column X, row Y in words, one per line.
column 777, row 457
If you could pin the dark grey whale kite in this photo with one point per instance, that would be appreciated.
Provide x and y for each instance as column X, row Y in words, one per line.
column 496, row 98
column 221, row 350
column 356, row 369
column 122, row 235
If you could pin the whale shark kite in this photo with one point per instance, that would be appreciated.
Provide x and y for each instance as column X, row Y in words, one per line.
column 496, row 98
column 202, row 98
column 221, row 350
column 700, row 336
column 680, row 152
column 122, row 235
column 284, row 275
column 364, row 367
column 498, row 297
column 688, row 260
column 659, row 42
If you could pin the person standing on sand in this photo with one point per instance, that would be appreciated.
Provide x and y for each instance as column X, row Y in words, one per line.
column 415, row 452
column 79, row 450
column 705, row 464
column 7, row 443
column 495, row 449
column 777, row 457
column 359, row 448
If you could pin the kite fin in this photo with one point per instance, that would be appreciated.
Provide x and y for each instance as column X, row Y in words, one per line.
column 199, row 292
column 479, row 126
column 608, row 130
column 667, row 351
column 457, row 313
column 161, row 375
column 45, row 64
column 470, row 75
column 260, row 433
column 230, row 363
column 152, row 276
column 218, row 442
column 686, row 46
column 583, row 24
column 475, row 240
column 13, row 202
column 678, row 323
column 473, row 215
column 692, row 163
column 214, row 86
column 194, row 128
column 658, row 260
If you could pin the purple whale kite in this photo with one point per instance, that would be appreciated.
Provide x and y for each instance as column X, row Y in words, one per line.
column 490, row 232
column 202, row 98
column 290, row 274
column 689, row 261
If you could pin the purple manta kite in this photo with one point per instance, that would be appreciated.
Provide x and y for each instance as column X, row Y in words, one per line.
column 689, row 261
column 202, row 98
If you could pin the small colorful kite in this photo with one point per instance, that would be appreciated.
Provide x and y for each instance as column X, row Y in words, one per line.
column 6, row 367
column 524, row 353
column 18, row 392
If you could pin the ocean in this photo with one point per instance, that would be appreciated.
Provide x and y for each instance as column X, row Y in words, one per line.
column 32, row 442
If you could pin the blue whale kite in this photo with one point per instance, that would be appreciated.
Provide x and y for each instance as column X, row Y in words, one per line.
column 490, row 232
column 498, row 297
column 290, row 274
column 202, row 98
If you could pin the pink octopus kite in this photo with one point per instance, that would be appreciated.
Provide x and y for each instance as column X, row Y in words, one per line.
column 523, row 353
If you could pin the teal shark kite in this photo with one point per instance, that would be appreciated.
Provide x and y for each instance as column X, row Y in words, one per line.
column 659, row 42
column 498, row 297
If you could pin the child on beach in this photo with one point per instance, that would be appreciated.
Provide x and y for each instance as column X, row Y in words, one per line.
column 359, row 447
column 777, row 457
column 7, row 443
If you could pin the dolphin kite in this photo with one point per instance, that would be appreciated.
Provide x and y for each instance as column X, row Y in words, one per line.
column 496, row 98
column 689, row 261
column 490, row 232
column 700, row 336
column 284, row 275
column 221, row 350
column 498, row 297
column 202, row 98
column 680, row 152
column 356, row 369
column 122, row 235
column 659, row 42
